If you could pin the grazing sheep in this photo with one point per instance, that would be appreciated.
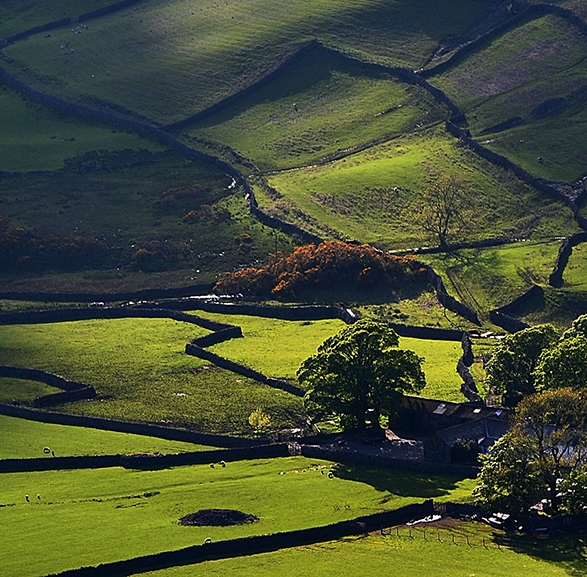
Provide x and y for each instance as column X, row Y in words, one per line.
column 27, row 498
column 223, row 464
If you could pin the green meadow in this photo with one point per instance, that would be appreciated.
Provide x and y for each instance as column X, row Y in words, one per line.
column 277, row 348
column 551, row 148
column 491, row 277
column 22, row 439
column 127, row 513
column 133, row 199
column 319, row 106
column 560, row 306
column 518, row 75
column 201, row 53
column 36, row 138
column 274, row 347
column 423, row 551
column 425, row 310
column 518, row 71
column 372, row 196
column 141, row 373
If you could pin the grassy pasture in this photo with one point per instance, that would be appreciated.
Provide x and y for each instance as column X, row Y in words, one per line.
column 109, row 507
column 168, row 60
column 541, row 60
column 491, row 277
column 277, row 348
column 18, row 16
column 22, row 439
column 36, row 138
column 141, row 372
column 274, row 347
column 372, row 195
column 561, row 306
column 559, row 142
column 535, row 61
column 417, row 556
column 318, row 107
column 422, row 311
column 440, row 361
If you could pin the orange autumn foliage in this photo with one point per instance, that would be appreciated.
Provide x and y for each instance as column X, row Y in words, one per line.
column 312, row 268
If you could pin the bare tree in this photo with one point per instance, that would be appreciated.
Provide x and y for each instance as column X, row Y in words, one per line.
column 444, row 209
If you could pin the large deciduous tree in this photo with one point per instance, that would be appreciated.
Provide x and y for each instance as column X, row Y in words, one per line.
column 359, row 374
column 544, row 456
column 510, row 371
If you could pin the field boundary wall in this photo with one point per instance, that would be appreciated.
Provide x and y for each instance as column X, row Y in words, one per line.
column 145, row 461
column 71, row 390
column 566, row 249
column 245, row 546
column 145, row 429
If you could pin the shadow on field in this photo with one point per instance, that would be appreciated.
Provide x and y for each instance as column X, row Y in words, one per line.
column 398, row 482
column 567, row 551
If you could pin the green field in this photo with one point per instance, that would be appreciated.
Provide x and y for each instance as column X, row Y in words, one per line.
column 529, row 66
column 372, row 196
column 420, row 555
column 425, row 310
column 491, row 277
column 518, row 71
column 141, row 372
column 131, row 200
column 274, row 347
column 112, row 509
column 277, row 348
column 200, row 54
column 560, row 306
column 22, row 439
column 318, row 107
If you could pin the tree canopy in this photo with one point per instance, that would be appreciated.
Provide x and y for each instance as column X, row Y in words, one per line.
column 543, row 457
column 510, row 371
column 359, row 374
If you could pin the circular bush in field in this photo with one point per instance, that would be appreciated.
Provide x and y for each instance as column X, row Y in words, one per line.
column 217, row 518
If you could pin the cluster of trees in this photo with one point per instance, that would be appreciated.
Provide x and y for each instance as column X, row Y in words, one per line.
column 360, row 375
column 536, row 359
column 312, row 268
column 542, row 459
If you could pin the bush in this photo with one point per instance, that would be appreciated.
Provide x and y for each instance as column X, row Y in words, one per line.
column 313, row 268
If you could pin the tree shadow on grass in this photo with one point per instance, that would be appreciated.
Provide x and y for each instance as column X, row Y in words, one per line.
column 399, row 482
column 566, row 551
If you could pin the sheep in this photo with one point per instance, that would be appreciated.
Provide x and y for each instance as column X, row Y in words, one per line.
column 27, row 498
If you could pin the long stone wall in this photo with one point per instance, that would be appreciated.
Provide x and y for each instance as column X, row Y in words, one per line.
column 72, row 390
column 35, row 30
column 556, row 277
column 246, row 546
column 196, row 351
column 144, row 461
column 145, row 429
